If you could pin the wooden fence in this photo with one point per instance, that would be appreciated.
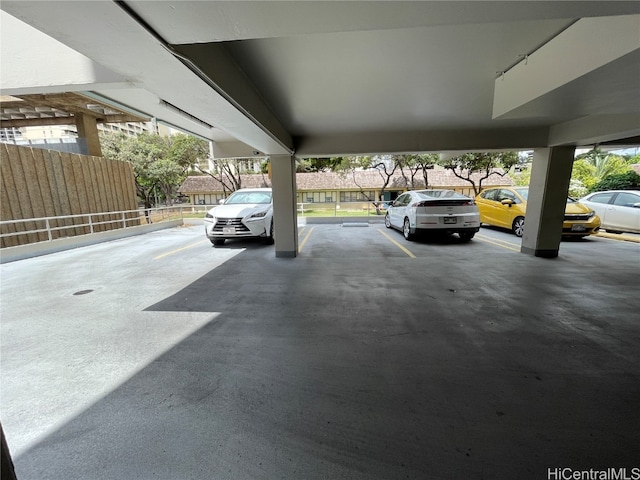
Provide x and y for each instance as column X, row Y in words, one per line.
column 45, row 183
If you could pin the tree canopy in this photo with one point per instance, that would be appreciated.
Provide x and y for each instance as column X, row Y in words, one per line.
column 592, row 168
column 485, row 164
column 160, row 164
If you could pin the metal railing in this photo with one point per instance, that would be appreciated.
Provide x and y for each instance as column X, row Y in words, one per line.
column 47, row 229
column 42, row 229
column 342, row 209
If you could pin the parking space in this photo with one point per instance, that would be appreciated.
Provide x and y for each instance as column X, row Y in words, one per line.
column 368, row 356
column 373, row 240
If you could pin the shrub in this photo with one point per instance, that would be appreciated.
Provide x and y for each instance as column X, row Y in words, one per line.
column 628, row 180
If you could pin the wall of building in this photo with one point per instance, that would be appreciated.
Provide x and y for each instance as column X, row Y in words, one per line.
column 36, row 183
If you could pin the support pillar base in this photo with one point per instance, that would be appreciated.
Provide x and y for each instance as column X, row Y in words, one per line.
column 540, row 252
column 286, row 254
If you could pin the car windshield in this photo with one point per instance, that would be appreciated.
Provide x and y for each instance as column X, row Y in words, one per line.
column 523, row 192
column 239, row 198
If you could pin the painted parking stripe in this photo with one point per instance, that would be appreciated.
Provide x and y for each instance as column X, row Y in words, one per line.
column 301, row 246
column 401, row 247
column 618, row 236
column 500, row 243
column 178, row 250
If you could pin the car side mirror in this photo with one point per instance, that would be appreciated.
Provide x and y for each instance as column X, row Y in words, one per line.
column 221, row 201
column 507, row 201
column 636, row 205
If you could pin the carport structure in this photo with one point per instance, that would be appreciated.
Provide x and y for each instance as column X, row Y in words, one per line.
column 306, row 79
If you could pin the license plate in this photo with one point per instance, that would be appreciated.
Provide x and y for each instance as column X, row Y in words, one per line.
column 577, row 228
column 231, row 230
column 450, row 220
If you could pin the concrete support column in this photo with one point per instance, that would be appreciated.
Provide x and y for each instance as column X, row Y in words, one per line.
column 285, row 218
column 548, row 190
column 88, row 134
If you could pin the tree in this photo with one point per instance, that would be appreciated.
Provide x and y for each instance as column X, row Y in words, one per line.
column 486, row 164
column 187, row 150
column 141, row 151
column 160, row 164
column 594, row 166
column 385, row 165
column 227, row 172
column 326, row 164
column 167, row 174
column 418, row 163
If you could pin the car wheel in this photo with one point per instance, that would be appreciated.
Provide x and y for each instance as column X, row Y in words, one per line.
column 387, row 221
column 466, row 236
column 518, row 226
column 271, row 238
column 406, row 229
column 217, row 241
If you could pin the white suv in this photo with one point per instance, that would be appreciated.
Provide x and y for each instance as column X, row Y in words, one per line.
column 246, row 213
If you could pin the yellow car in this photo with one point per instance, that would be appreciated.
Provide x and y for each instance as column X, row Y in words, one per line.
column 506, row 206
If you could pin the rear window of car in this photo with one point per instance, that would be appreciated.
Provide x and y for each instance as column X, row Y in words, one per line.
column 429, row 194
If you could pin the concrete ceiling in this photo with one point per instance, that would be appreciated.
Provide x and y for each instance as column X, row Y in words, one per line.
column 58, row 109
column 328, row 78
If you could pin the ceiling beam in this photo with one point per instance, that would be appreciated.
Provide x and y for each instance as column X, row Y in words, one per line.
column 585, row 46
column 423, row 141
column 214, row 64
column 595, row 129
column 70, row 120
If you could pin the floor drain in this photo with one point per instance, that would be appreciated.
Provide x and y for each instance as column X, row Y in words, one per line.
column 83, row 292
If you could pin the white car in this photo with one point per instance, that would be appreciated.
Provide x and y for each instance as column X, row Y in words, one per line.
column 446, row 211
column 619, row 210
column 246, row 213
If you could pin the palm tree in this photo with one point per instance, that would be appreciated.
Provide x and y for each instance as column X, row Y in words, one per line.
column 603, row 163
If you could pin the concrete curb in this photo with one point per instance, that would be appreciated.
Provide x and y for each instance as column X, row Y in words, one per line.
column 619, row 236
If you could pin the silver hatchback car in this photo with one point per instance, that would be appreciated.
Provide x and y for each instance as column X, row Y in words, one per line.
column 444, row 211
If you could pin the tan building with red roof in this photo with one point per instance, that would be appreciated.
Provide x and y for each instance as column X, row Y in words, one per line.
column 331, row 187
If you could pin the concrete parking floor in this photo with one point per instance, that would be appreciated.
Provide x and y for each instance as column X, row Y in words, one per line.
column 160, row 357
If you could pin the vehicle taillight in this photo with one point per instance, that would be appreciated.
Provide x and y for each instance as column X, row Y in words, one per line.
column 467, row 203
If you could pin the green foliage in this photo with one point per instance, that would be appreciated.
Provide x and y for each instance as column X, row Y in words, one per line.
column 415, row 164
column 522, row 178
column 186, row 150
column 628, row 180
column 595, row 166
column 484, row 164
column 326, row 164
column 160, row 164
column 584, row 172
